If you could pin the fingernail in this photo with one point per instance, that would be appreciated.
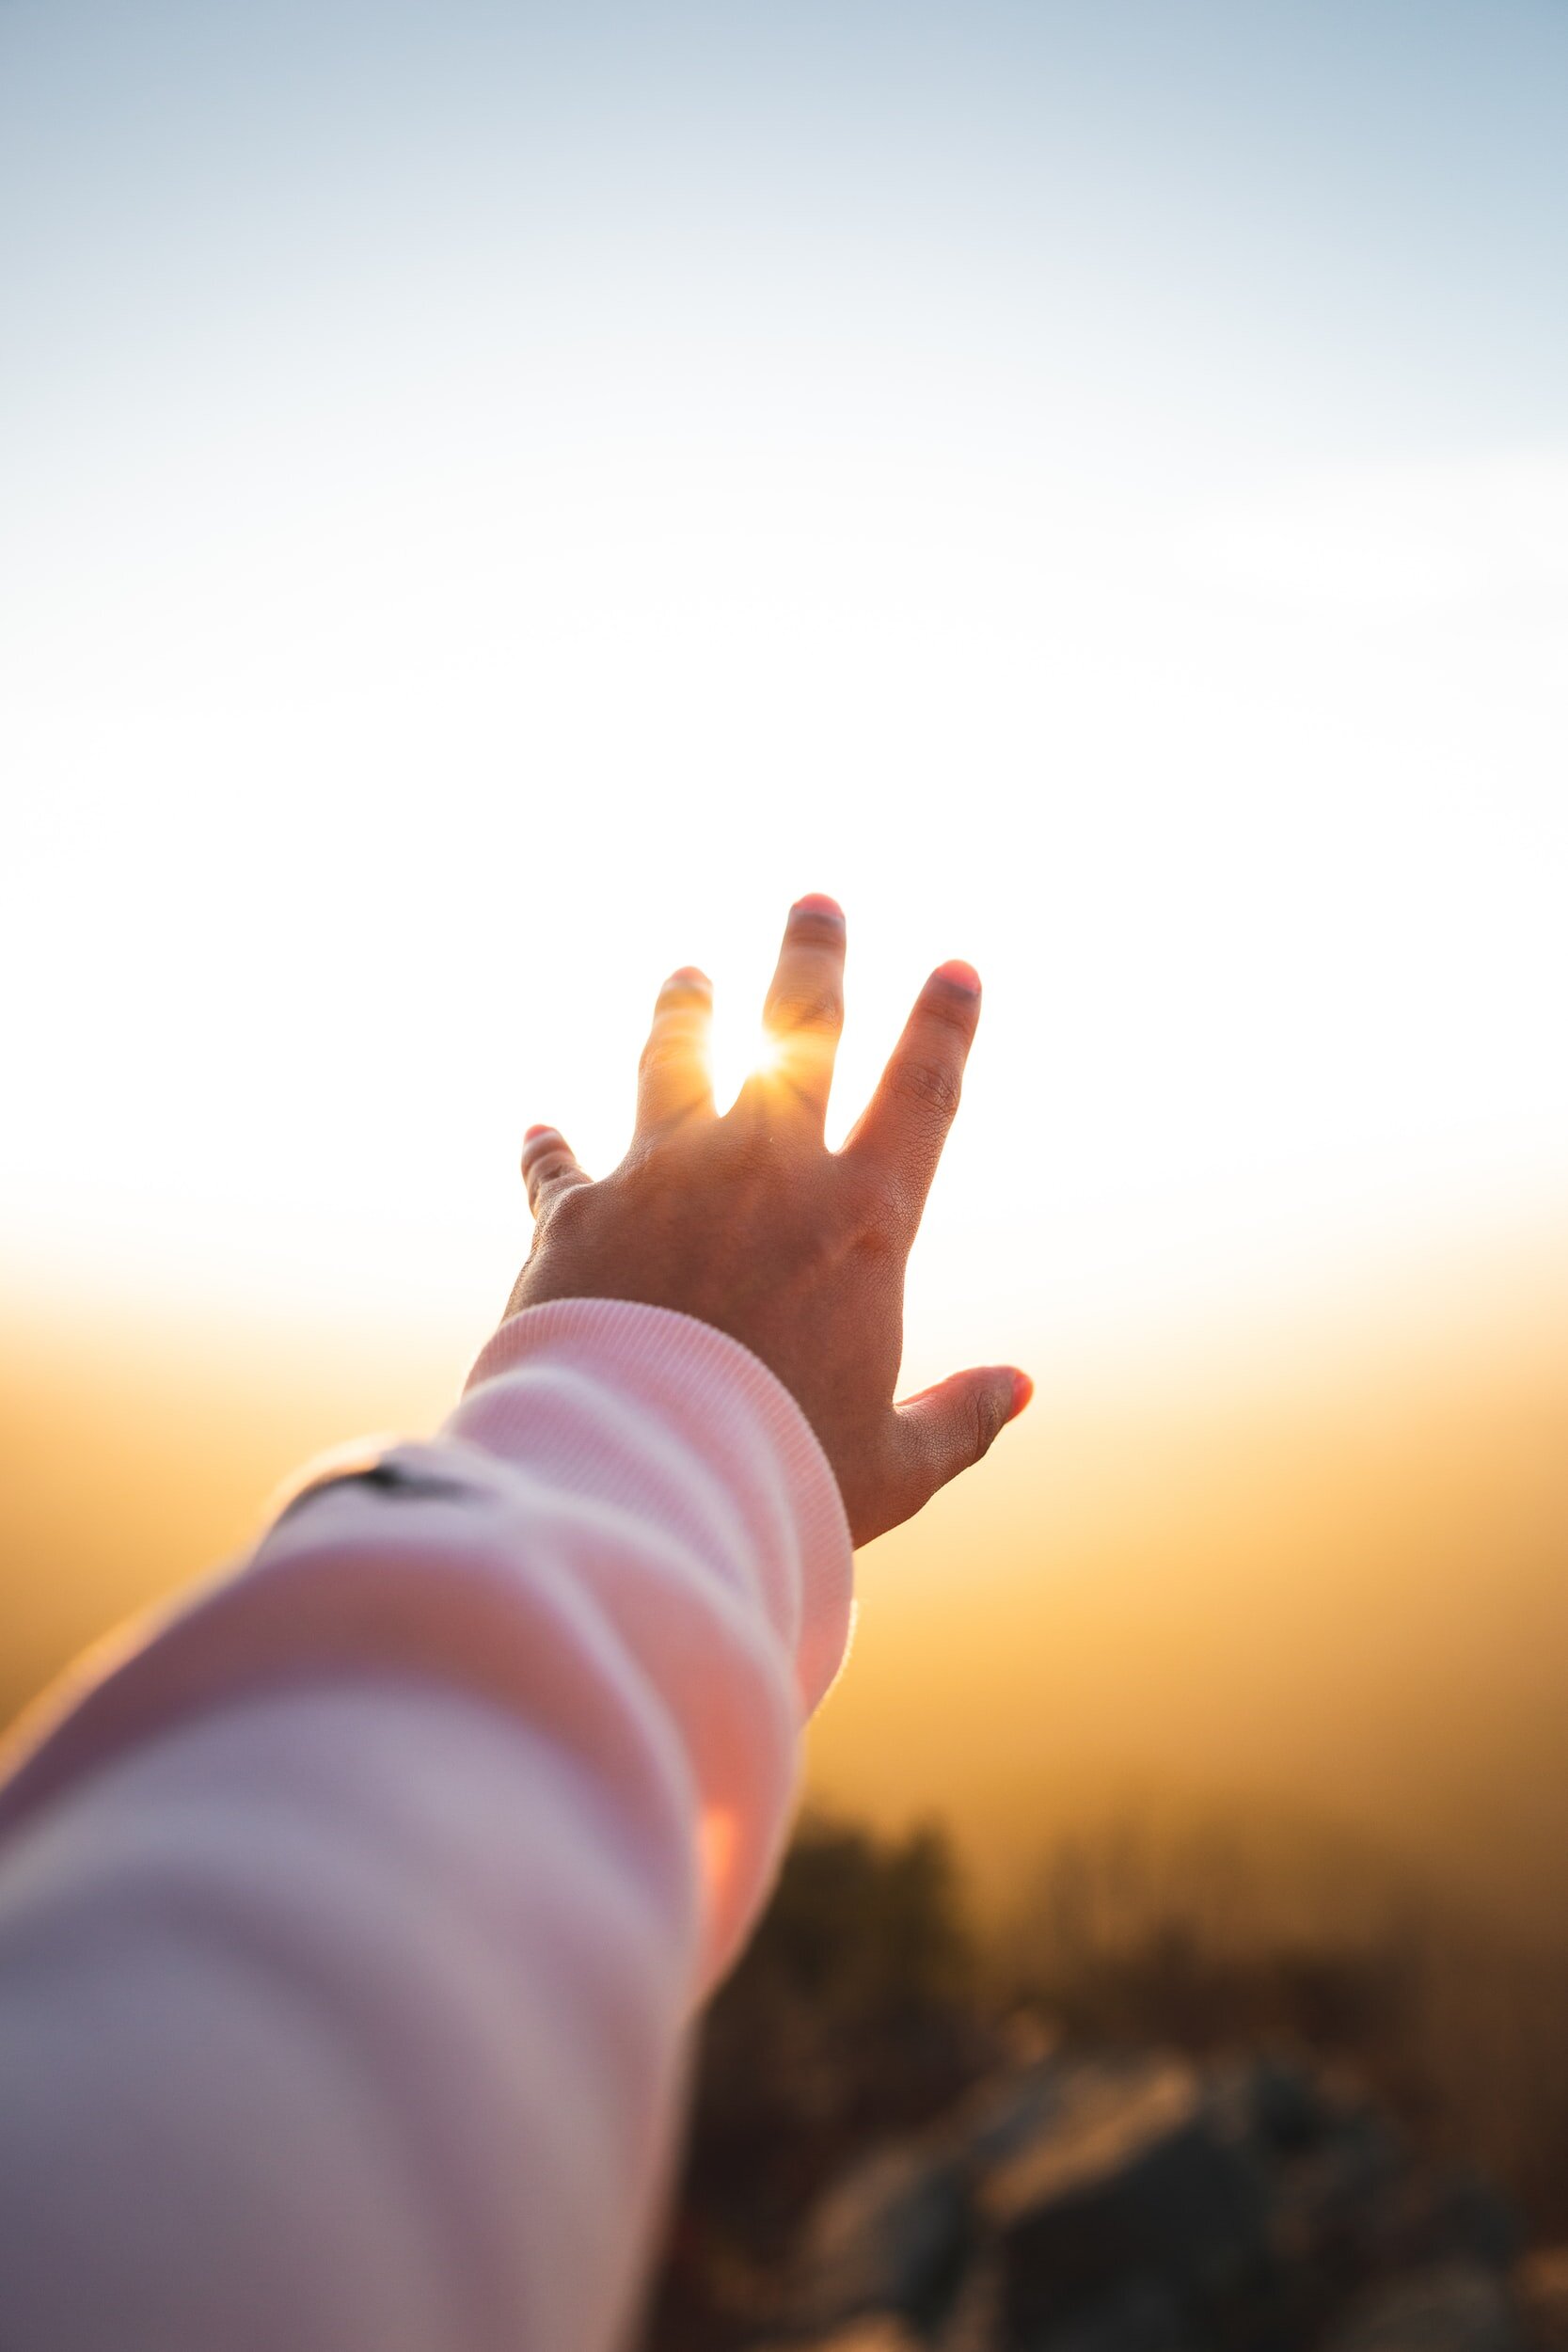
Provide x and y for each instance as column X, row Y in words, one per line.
column 959, row 975
column 689, row 977
column 529, row 1132
column 1023, row 1388
column 817, row 902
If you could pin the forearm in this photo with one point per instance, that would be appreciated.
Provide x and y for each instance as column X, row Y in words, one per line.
column 348, row 1930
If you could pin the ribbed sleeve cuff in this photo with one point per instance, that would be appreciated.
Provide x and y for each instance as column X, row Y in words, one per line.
column 724, row 1402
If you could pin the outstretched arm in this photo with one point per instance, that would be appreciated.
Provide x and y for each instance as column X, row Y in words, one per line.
column 350, row 1922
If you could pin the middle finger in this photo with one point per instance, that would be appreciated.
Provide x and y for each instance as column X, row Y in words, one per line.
column 805, row 1011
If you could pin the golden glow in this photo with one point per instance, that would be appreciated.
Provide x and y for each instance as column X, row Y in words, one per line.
column 770, row 1056
column 1197, row 988
column 742, row 1052
column 1323, row 1573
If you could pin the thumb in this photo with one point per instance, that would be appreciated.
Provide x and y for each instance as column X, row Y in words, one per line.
column 946, row 1429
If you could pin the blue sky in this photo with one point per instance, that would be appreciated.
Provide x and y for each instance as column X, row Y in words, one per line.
column 1322, row 223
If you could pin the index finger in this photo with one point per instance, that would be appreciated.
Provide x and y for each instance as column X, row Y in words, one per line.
column 906, row 1122
column 672, row 1081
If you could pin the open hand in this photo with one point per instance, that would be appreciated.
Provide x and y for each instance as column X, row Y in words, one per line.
column 749, row 1222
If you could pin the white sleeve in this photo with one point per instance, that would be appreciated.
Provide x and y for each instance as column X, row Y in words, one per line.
column 351, row 1919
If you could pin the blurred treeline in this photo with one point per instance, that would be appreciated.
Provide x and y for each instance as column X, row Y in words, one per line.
column 870, row 2000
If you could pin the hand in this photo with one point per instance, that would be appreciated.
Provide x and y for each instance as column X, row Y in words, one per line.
column 749, row 1222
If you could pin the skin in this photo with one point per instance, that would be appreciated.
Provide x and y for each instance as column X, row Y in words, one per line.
column 749, row 1222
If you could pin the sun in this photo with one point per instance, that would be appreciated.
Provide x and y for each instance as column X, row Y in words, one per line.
column 768, row 1057
column 739, row 1051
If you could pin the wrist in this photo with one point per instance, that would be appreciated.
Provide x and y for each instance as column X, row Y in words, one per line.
column 711, row 1397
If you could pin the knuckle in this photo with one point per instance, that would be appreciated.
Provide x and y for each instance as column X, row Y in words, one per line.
column 566, row 1207
column 986, row 1414
column 950, row 1008
column 876, row 1205
column 805, row 1007
column 676, row 1031
column 664, row 1047
column 976, row 1424
column 931, row 1086
column 680, row 1008
column 814, row 926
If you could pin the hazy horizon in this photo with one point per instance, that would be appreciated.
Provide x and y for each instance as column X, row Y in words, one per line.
column 1304, row 1586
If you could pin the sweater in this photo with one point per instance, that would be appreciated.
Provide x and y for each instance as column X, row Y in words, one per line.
column 354, row 1913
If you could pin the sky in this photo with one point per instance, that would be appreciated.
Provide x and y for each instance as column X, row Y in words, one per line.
column 497, row 500
column 500, row 499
